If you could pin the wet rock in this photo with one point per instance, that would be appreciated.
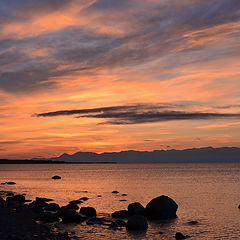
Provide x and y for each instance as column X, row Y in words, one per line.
column 162, row 207
column 84, row 198
column 122, row 200
column 70, row 216
column 124, row 194
column 137, row 223
column 56, row 177
column 10, row 183
column 76, row 201
column 52, row 207
column 120, row 214
column 9, row 194
column 115, row 192
column 160, row 233
column 88, row 211
column 180, row 236
column 136, row 208
column 72, row 206
column 193, row 222
column 239, row 206
column 99, row 195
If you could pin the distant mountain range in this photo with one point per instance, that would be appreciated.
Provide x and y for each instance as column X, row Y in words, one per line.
column 207, row 154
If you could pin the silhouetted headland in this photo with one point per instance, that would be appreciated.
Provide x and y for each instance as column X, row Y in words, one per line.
column 207, row 154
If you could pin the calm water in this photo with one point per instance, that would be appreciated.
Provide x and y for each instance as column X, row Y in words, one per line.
column 208, row 193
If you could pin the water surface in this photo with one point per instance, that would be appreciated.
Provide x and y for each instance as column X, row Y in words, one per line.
column 208, row 193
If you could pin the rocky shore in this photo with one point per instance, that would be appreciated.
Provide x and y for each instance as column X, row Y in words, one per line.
column 42, row 219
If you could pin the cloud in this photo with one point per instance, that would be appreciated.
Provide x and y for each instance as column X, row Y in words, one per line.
column 111, row 34
column 140, row 113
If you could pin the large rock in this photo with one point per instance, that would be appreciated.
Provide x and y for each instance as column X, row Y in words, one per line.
column 88, row 211
column 2, row 202
column 162, row 207
column 19, row 198
column 136, row 208
column 137, row 223
column 120, row 214
column 70, row 216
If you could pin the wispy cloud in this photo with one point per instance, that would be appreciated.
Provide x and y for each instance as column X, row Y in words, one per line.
column 140, row 113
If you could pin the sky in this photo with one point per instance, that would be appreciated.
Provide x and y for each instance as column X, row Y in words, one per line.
column 110, row 75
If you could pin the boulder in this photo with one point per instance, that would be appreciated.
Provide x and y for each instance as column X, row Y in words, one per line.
column 72, row 206
column 137, row 223
column 162, row 207
column 120, row 214
column 70, row 216
column 136, row 208
column 180, row 236
column 88, row 211
column 52, row 207
column 56, row 177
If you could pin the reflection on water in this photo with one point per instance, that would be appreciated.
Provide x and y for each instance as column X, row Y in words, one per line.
column 208, row 193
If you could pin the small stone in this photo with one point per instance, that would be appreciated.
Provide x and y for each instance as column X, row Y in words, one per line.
column 115, row 192
column 56, row 177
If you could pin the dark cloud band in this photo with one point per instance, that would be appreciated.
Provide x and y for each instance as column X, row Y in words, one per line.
column 139, row 113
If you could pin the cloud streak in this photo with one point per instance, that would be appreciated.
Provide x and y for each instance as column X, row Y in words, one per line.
column 140, row 113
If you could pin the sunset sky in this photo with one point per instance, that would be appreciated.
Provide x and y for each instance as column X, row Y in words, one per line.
column 113, row 75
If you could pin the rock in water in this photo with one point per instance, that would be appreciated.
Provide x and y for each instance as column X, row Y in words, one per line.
column 56, row 177
column 88, row 211
column 70, row 216
column 136, row 208
column 162, row 207
column 115, row 191
column 180, row 236
column 120, row 214
column 137, row 223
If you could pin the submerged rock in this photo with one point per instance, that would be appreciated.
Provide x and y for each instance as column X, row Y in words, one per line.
column 162, row 207
column 88, row 211
column 136, row 208
column 137, row 223
column 193, row 222
column 180, row 236
column 10, row 183
column 56, row 177
column 120, row 214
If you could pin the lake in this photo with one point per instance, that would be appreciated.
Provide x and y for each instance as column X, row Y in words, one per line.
column 206, row 192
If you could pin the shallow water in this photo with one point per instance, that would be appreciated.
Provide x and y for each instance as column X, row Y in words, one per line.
column 208, row 193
